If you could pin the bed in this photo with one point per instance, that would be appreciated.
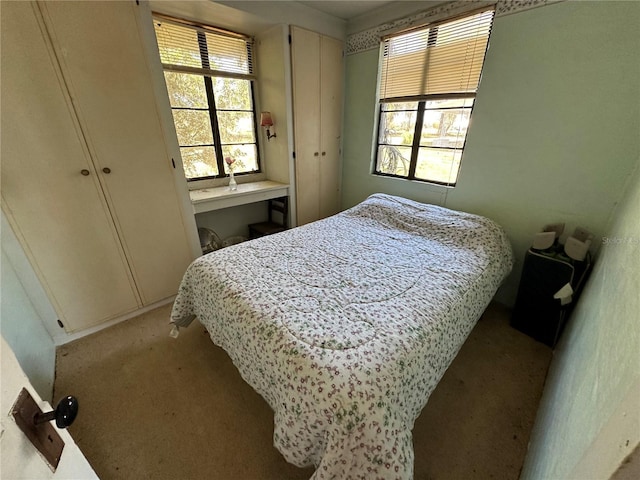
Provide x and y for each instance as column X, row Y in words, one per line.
column 346, row 325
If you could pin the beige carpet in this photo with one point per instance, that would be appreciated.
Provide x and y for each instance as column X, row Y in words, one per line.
column 155, row 407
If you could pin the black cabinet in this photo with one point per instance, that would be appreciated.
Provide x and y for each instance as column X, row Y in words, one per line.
column 536, row 312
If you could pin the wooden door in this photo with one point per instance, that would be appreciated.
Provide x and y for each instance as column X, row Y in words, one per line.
column 58, row 213
column 305, row 54
column 331, row 74
column 106, row 67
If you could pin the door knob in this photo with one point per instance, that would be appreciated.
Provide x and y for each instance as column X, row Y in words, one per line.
column 64, row 414
column 324, row 153
column 106, row 170
column 85, row 172
column 315, row 154
column 36, row 427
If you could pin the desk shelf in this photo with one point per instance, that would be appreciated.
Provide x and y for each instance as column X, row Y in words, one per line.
column 208, row 199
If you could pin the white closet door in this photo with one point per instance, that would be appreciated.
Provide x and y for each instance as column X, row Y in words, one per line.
column 317, row 100
column 305, row 53
column 331, row 69
column 58, row 213
column 107, row 69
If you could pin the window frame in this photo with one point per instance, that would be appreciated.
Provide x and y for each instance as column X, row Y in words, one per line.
column 212, row 109
column 417, row 135
column 422, row 101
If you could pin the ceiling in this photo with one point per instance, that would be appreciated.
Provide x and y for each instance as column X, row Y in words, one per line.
column 345, row 9
column 253, row 17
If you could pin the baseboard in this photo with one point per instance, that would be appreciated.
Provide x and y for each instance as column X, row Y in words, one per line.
column 64, row 338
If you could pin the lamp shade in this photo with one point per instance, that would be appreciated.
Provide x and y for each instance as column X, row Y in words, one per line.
column 265, row 119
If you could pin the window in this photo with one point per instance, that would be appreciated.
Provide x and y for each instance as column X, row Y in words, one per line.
column 209, row 77
column 428, row 82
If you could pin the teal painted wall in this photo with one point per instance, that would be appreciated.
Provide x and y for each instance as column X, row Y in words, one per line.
column 23, row 330
column 554, row 134
column 25, row 312
column 589, row 416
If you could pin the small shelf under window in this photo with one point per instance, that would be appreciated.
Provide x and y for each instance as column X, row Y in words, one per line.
column 208, row 199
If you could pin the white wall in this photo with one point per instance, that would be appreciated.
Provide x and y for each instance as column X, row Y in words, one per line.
column 233, row 221
column 275, row 92
column 148, row 39
column 589, row 416
column 273, row 86
column 20, row 459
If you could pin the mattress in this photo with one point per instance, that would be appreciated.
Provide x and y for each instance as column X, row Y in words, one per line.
column 346, row 325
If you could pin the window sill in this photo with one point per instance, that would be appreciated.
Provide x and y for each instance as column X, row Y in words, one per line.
column 427, row 183
column 216, row 198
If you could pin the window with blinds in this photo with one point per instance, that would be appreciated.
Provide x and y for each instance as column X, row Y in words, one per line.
column 428, row 81
column 209, row 76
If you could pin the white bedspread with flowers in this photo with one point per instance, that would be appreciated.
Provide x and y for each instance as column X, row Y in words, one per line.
column 346, row 325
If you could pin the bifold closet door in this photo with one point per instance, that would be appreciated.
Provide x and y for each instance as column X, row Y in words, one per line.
column 50, row 190
column 305, row 53
column 102, row 55
column 331, row 81
column 317, row 104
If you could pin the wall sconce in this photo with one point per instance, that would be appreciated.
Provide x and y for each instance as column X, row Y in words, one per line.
column 267, row 121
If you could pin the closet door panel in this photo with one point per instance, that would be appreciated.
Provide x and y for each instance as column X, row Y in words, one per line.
column 306, row 104
column 58, row 213
column 331, row 68
column 103, row 58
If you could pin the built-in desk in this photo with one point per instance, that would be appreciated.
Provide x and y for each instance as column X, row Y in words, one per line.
column 207, row 199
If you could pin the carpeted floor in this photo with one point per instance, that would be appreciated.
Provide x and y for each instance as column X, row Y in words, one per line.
column 156, row 407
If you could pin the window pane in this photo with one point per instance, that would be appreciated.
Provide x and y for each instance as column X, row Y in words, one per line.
column 397, row 127
column 199, row 161
column 186, row 90
column 246, row 157
column 438, row 165
column 445, row 128
column 236, row 127
column 232, row 94
column 193, row 127
column 393, row 160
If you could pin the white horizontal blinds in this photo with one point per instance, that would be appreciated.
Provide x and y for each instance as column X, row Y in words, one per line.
column 443, row 58
column 206, row 51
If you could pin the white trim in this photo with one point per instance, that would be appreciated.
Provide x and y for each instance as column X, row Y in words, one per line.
column 288, row 86
column 148, row 38
column 62, row 338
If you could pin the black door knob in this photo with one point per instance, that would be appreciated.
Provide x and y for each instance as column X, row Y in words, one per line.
column 64, row 414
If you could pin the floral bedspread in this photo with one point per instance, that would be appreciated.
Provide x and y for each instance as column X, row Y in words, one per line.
column 346, row 325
